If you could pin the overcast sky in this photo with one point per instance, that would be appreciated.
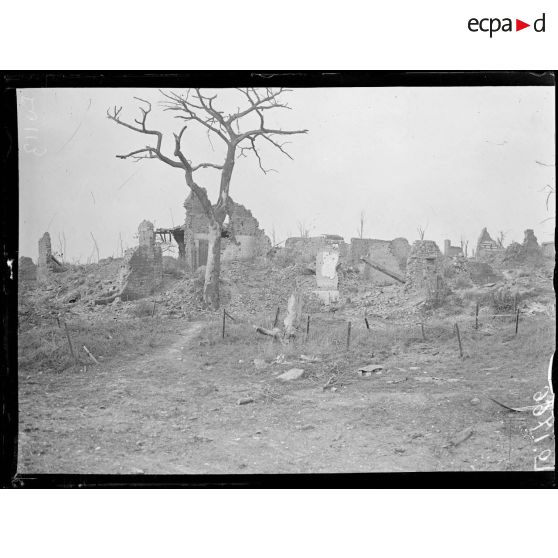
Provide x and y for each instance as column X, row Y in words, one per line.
column 451, row 160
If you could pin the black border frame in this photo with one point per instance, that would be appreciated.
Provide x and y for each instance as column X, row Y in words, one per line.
column 9, row 222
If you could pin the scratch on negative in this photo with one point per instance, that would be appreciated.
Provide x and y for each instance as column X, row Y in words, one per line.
column 128, row 180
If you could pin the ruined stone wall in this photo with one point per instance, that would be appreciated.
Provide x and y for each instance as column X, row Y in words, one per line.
column 141, row 273
column 308, row 248
column 425, row 269
column 245, row 238
column 548, row 249
column 195, row 225
column 391, row 254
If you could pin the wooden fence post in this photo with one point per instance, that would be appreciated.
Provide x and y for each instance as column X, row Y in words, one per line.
column 276, row 318
column 422, row 330
column 307, row 326
column 459, row 340
column 516, row 320
column 224, row 319
column 366, row 322
column 348, row 335
column 70, row 342
column 477, row 316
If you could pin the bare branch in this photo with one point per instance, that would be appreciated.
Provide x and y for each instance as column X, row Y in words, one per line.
column 259, row 103
column 183, row 104
column 141, row 128
column 263, row 131
column 207, row 166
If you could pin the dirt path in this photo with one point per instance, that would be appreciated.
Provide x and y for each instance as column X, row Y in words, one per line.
column 175, row 410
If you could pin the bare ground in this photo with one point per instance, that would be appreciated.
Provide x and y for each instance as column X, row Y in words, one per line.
column 175, row 410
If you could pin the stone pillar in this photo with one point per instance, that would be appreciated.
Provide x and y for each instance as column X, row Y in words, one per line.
column 146, row 234
column 424, row 269
column 44, row 263
column 141, row 272
column 326, row 274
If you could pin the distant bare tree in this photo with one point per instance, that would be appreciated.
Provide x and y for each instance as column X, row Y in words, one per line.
column 61, row 246
column 303, row 230
column 362, row 220
column 273, row 236
column 240, row 132
column 421, row 231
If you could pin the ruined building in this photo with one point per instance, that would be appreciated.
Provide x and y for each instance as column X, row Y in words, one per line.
column 176, row 233
column 487, row 248
column 527, row 253
column 390, row 254
column 425, row 269
column 242, row 236
column 452, row 251
column 141, row 272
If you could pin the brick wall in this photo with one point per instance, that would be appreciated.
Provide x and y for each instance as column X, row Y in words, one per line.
column 425, row 268
column 141, row 272
column 391, row 254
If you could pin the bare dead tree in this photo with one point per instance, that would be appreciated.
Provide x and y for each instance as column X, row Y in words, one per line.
column 422, row 231
column 303, row 229
column 362, row 220
column 241, row 132
column 61, row 250
column 273, row 236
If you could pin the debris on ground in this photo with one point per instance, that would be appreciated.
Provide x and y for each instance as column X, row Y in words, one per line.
column 370, row 369
column 292, row 374
column 460, row 437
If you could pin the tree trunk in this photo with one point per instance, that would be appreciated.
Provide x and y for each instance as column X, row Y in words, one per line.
column 213, row 267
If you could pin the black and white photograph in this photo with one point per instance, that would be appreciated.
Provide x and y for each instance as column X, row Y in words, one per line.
column 248, row 280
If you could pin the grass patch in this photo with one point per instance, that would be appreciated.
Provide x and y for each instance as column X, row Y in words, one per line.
column 46, row 347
